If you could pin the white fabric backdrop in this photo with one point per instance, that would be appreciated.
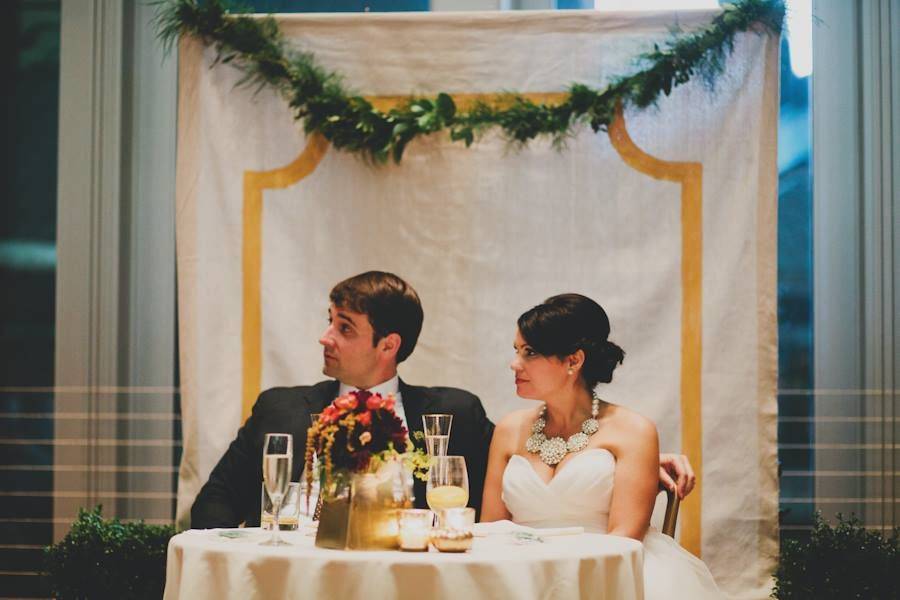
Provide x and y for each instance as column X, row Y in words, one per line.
column 487, row 232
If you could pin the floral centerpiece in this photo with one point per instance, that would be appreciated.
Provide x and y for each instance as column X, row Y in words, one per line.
column 365, row 464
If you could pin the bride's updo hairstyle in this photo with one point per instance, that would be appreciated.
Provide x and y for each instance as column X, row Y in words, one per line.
column 563, row 324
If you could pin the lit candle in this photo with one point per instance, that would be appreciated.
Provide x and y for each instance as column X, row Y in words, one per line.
column 455, row 533
column 388, row 524
column 457, row 519
column 415, row 529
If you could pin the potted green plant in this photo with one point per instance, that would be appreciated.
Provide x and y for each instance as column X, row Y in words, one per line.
column 844, row 561
column 106, row 558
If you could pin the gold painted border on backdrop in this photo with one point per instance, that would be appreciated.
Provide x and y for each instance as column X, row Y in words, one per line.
column 255, row 182
column 466, row 102
column 689, row 174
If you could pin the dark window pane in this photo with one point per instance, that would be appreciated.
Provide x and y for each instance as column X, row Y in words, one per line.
column 795, row 306
column 29, row 68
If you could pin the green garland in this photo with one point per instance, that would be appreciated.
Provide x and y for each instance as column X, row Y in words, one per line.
column 318, row 97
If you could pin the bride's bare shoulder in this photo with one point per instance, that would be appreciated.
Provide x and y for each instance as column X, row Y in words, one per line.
column 513, row 423
column 629, row 423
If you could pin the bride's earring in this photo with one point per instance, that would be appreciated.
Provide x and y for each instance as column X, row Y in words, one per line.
column 571, row 371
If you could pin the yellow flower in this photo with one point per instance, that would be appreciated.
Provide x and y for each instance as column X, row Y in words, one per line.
column 365, row 438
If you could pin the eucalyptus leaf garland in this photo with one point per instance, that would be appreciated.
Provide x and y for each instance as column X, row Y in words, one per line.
column 319, row 98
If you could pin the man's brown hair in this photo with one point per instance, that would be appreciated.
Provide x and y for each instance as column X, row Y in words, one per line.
column 391, row 304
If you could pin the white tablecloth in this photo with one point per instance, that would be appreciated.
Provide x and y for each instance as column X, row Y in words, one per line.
column 204, row 564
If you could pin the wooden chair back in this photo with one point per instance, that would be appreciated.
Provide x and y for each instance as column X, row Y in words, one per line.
column 671, row 518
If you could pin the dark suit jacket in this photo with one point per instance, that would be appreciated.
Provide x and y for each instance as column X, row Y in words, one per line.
column 232, row 494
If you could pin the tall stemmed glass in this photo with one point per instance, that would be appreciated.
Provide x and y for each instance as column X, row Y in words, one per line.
column 437, row 433
column 448, row 483
column 278, row 452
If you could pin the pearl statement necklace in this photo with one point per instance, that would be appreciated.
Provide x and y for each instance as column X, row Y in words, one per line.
column 554, row 449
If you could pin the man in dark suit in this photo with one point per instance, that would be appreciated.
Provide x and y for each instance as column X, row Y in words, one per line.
column 374, row 321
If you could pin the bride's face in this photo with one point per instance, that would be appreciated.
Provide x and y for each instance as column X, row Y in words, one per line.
column 537, row 376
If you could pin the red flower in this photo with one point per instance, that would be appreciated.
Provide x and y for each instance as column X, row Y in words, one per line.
column 347, row 402
column 356, row 427
column 330, row 414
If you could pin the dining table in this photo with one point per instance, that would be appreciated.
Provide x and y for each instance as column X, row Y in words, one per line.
column 231, row 563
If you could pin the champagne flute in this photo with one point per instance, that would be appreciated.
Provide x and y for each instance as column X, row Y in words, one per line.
column 277, row 456
column 437, row 433
column 448, row 483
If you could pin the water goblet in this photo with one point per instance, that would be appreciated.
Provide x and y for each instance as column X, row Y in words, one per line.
column 448, row 483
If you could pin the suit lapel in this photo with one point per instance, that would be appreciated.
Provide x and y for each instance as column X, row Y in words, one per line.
column 312, row 401
column 416, row 402
column 321, row 396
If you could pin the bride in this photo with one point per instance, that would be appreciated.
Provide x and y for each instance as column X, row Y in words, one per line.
column 604, row 476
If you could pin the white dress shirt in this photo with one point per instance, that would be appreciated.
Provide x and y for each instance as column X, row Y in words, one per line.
column 391, row 386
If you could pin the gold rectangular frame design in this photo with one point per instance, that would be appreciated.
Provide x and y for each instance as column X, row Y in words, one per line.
column 688, row 174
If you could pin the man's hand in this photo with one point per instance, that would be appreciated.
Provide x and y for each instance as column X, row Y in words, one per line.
column 676, row 474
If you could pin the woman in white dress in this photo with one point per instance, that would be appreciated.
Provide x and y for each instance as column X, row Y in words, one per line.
column 577, row 460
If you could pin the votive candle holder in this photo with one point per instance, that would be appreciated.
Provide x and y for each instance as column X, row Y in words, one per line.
column 415, row 529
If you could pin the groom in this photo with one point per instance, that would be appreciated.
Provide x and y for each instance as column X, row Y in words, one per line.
column 374, row 321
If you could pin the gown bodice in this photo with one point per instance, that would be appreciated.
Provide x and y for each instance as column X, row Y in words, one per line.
column 578, row 495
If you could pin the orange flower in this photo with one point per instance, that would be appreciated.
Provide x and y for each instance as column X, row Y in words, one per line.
column 374, row 402
column 346, row 403
column 351, row 432
column 330, row 414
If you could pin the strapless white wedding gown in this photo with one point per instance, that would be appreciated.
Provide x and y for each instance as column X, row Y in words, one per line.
column 579, row 495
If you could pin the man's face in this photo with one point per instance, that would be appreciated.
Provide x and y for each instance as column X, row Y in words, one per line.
column 349, row 354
